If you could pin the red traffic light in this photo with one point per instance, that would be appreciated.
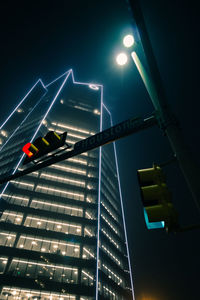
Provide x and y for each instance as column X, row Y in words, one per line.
column 29, row 149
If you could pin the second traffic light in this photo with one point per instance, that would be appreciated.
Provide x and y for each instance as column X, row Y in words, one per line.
column 43, row 145
column 159, row 211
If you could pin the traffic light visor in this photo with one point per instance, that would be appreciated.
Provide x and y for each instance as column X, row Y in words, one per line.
column 29, row 149
column 152, row 225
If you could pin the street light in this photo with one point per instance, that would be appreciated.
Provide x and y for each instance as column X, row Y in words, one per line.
column 153, row 84
column 128, row 41
column 121, row 59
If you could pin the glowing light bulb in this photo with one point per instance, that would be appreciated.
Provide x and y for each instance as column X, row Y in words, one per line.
column 121, row 59
column 128, row 40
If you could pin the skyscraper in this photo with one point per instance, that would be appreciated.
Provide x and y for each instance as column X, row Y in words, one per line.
column 63, row 233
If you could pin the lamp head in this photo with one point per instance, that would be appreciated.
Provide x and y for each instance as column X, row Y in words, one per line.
column 128, row 41
column 121, row 59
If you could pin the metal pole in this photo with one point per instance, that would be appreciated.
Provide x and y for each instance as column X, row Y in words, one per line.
column 153, row 83
column 104, row 137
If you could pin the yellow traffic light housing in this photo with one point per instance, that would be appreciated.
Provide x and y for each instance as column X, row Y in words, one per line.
column 43, row 145
column 159, row 212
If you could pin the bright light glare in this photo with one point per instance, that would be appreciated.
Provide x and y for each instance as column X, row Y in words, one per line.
column 128, row 40
column 94, row 87
column 121, row 59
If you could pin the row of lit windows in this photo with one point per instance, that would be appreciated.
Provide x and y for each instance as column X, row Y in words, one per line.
column 73, row 128
column 111, row 255
column 66, row 179
column 73, row 135
column 31, row 221
column 109, row 224
column 110, row 238
column 48, row 224
column 48, row 246
column 39, row 203
column 33, row 269
column 60, row 192
column 23, row 184
column 109, row 211
column 110, row 292
column 49, row 190
column 112, row 274
column 15, row 199
column 45, row 245
column 77, row 160
column 50, row 205
column 11, row 217
column 11, row 293
column 7, row 239
column 57, row 178
column 69, row 169
column 39, row 270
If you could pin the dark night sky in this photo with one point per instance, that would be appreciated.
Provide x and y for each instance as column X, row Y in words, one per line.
column 46, row 38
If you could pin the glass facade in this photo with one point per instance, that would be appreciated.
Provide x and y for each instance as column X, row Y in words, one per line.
column 63, row 234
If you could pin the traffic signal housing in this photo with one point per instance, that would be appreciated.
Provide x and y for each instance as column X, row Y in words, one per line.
column 43, row 145
column 159, row 211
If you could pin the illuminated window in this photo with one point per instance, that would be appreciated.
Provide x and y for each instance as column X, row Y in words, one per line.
column 11, row 217
column 55, row 191
column 3, row 262
column 22, row 184
column 63, row 179
column 70, row 210
column 73, row 128
column 112, row 274
column 51, row 271
column 7, row 239
column 111, row 254
column 111, row 239
column 25, row 294
column 53, row 225
column 69, row 169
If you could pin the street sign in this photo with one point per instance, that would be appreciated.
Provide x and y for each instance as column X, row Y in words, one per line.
column 113, row 133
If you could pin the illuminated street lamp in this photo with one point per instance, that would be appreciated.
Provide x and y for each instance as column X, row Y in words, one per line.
column 128, row 41
column 121, row 59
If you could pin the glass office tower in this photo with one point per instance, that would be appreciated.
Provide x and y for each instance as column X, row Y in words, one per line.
column 62, row 235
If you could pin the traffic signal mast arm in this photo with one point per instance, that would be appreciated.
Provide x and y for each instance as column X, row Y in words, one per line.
column 109, row 135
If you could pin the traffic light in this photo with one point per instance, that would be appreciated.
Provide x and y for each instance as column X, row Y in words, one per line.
column 43, row 145
column 159, row 212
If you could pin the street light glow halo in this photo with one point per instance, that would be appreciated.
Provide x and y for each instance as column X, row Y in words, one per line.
column 128, row 40
column 121, row 59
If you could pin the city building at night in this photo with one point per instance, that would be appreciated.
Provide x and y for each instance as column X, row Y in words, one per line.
column 62, row 235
